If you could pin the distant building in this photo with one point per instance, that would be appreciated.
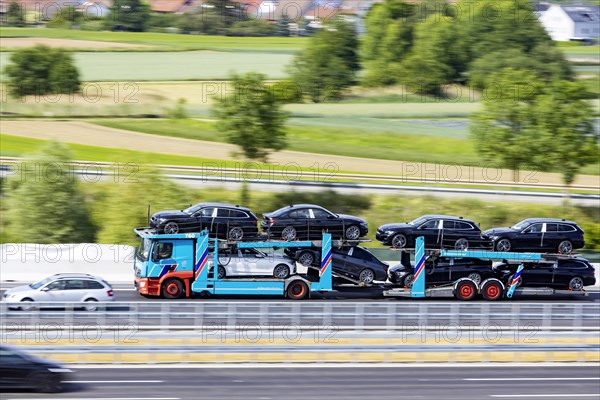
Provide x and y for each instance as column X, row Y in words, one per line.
column 95, row 8
column 576, row 22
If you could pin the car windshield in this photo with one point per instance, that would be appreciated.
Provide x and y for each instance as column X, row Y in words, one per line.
column 143, row 251
column 418, row 221
column 520, row 225
column 39, row 284
column 193, row 209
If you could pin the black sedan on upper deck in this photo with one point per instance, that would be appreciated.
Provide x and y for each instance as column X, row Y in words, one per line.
column 438, row 230
column 538, row 235
column 309, row 221
column 225, row 221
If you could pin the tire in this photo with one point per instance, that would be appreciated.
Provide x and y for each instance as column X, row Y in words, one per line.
column 289, row 233
column 399, row 241
column 352, row 232
column 306, row 258
column 46, row 382
column 492, row 290
column 91, row 306
column 408, row 281
column 173, row 289
column 510, row 279
column 221, row 272
column 565, row 247
column 461, row 244
column 27, row 307
column 465, row 290
column 576, row 284
column 366, row 276
column 297, row 290
column 475, row 277
column 281, row 271
column 503, row 245
column 171, row 228
column 235, row 234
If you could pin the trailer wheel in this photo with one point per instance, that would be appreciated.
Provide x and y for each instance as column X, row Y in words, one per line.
column 466, row 290
column 172, row 289
column 297, row 290
column 492, row 290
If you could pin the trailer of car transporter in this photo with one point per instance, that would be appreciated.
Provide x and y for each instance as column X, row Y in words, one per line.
column 491, row 289
column 186, row 268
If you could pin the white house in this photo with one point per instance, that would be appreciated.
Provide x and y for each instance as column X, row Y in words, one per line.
column 575, row 22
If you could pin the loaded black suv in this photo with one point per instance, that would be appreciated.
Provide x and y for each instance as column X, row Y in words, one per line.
column 442, row 270
column 354, row 262
column 309, row 221
column 438, row 230
column 538, row 235
column 224, row 221
column 570, row 274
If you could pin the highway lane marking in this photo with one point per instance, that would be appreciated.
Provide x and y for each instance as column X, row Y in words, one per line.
column 112, row 381
column 535, row 379
column 570, row 395
column 101, row 398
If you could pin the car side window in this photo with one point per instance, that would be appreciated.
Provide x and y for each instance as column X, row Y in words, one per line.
column 93, row 285
column 74, row 284
column 162, row 250
column 465, row 226
column 205, row 212
column 237, row 214
column 8, row 357
column 222, row 213
column 565, row 228
column 551, row 228
column 432, row 224
column 535, row 228
column 320, row 214
column 300, row 214
column 56, row 285
column 449, row 224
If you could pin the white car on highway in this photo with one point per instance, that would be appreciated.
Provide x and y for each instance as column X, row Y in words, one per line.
column 253, row 262
column 62, row 288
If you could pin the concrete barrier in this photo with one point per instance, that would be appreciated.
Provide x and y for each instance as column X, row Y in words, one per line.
column 28, row 262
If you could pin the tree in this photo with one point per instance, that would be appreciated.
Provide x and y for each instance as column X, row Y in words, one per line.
column 526, row 122
column 252, row 117
column 505, row 129
column 46, row 205
column 40, row 70
column 128, row 15
column 328, row 64
column 15, row 15
column 569, row 137
column 66, row 18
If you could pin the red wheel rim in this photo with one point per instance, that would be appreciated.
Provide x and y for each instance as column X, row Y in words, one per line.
column 172, row 289
column 466, row 291
column 492, row 291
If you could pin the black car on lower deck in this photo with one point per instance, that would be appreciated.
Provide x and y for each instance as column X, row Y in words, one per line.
column 570, row 274
column 19, row 370
column 538, row 235
column 309, row 221
column 355, row 262
column 443, row 270
column 438, row 230
column 225, row 221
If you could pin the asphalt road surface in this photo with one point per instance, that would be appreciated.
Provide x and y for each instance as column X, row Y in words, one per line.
column 329, row 383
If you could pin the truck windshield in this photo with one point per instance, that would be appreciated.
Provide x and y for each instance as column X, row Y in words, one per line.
column 143, row 250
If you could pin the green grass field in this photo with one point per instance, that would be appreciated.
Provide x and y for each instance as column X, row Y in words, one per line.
column 166, row 41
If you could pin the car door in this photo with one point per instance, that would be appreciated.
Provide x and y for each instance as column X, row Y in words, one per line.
column 538, row 274
column 550, row 237
column 439, row 272
column 53, row 291
column 75, row 290
column 246, row 263
column 203, row 218
column 531, row 237
column 220, row 223
column 340, row 260
column 323, row 221
column 301, row 220
column 448, row 233
column 430, row 230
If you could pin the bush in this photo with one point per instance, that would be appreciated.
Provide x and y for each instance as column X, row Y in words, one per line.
column 41, row 70
column 252, row 28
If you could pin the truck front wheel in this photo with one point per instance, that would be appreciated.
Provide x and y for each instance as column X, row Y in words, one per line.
column 173, row 289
